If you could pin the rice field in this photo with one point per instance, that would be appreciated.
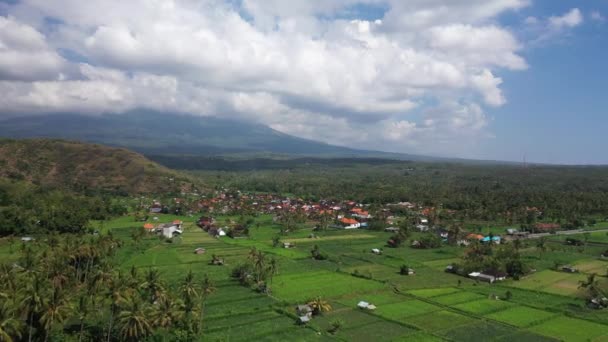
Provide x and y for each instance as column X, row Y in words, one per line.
column 429, row 306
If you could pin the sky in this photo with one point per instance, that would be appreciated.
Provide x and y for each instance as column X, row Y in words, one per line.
column 482, row 79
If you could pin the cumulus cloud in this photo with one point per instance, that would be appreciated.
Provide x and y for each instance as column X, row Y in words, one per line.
column 314, row 68
column 571, row 19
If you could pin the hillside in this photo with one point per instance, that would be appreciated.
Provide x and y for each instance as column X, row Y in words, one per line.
column 84, row 167
column 151, row 132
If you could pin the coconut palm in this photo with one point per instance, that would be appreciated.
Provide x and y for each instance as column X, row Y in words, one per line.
column 165, row 313
column 33, row 302
column 207, row 288
column 83, row 312
column 319, row 306
column 133, row 320
column 55, row 310
column 10, row 327
column 153, row 285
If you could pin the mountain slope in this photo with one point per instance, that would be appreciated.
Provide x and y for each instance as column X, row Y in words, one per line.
column 84, row 167
column 152, row 132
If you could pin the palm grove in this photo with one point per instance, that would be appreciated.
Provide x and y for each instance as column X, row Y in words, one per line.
column 70, row 289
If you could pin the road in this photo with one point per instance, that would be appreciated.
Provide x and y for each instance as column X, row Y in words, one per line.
column 566, row 232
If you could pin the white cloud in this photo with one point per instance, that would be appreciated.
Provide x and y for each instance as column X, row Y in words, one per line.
column 289, row 64
column 597, row 16
column 571, row 19
column 25, row 55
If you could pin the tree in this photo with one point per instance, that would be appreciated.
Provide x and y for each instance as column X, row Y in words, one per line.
column 10, row 326
column 133, row 320
column 207, row 288
column 55, row 310
column 319, row 306
column 33, row 302
column 276, row 241
column 165, row 314
column 335, row 325
column 541, row 244
column 153, row 286
column 83, row 312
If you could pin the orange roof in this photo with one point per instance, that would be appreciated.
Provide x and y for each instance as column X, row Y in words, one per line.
column 348, row 221
column 148, row 226
column 357, row 210
column 475, row 236
column 177, row 222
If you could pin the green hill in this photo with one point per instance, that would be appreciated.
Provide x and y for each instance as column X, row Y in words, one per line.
column 84, row 167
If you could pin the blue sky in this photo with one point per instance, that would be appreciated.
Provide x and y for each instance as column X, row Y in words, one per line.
column 557, row 111
column 482, row 79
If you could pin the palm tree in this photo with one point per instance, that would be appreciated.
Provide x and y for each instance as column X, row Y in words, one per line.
column 319, row 306
column 56, row 310
column 207, row 288
column 83, row 311
column 541, row 245
column 188, row 287
column 10, row 327
column 33, row 302
column 153, row 286
column 273, row 268
column 165, row 314
column 189, row 292
column 133, row 321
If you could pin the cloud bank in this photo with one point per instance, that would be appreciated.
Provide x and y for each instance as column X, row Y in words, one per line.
column 415, row 77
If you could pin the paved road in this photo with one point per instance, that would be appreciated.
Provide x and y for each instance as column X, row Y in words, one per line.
column 566, row 232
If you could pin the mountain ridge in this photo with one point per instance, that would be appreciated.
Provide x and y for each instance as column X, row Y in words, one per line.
column 85, row 167
column 152, row 132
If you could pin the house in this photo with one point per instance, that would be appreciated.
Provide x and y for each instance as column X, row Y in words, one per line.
column 512, row 231
column 547, row 226
column 348, row 223
column 156, row 207
column 149, row 227
column 169, row 230
column 569, row 269
column 494, row 239
column 288, row 245
column 303, row 319
column 376, row 251
column 422, row 227
column 391, row 229
column 482, row 277
column 366, row 305
column 27, row 239
column 199, row 250
column 304, row 310
column 477, row 237
column 424, row 221
column 360, row 213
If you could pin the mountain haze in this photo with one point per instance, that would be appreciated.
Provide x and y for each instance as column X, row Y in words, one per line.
column 151, row 132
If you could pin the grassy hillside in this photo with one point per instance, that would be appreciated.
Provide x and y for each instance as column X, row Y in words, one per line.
column 84, row 167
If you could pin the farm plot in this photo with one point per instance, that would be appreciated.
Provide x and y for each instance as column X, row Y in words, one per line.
column 521, row 316
column 299, row 287
column 572, row 329
column 378, row 331
column 440, row 320
column 593, row 266
column 457, row 298
column 484, row 306
column 430, row 293
column 478, row 331
column 408, row 308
